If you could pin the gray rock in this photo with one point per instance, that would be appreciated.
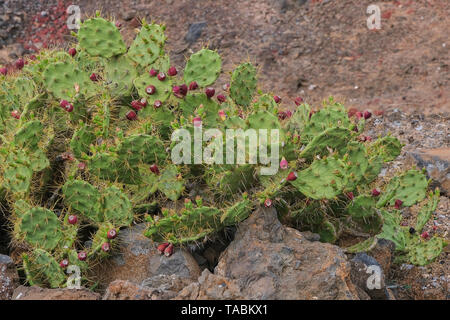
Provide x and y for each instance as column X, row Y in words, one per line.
column 9, row 279
column 368, row 275
column 270, row 261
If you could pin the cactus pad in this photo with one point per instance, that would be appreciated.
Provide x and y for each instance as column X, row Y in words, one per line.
column 243, row 84
column 203, row 67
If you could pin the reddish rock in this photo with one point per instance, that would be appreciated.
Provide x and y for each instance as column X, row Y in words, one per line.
column 271, row 261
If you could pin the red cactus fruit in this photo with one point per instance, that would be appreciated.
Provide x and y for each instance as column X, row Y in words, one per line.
column 168, row 251
column 162, row 247
column 288, row 113
column 183, row 89
column 82, row 256
column 221, row 98
column 106, row 247
column 73, row 219
column 111, row 234
column 94, row 77
column 359, row 115
column 68, row 107
column 292, row 176
column 367, row 114
column 143, row 102
column 161, row 76
column 222, row 114
column 157, row 104
column 298, row 101
column 136, row 105
column 268, row 203
column 375, row 192
column 283, row 164
column 154, row 168
column 72, row 51
column 153, row 72
column 131, row 115
column 350, row 195
column 64, row 263
column 172, row 71
column 15, row 114
column 282, row 115
column 4, row 71
column 210, row 91
column 277, row 99
column 425, row 235
column 63, row 103
column 82, row 165
column 20, row 63
column 118, row 24
column 398, row 204
column 193, row 85
column 150, row 89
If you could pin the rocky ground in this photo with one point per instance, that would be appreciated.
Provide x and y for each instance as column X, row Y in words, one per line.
column 302, row 47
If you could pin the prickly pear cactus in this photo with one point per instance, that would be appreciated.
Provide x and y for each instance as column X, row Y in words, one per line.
column 86, row 143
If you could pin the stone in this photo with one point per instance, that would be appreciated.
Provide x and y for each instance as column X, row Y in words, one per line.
column 367, row 274
column 211, row 287
column 138, row 259
column 37, row 293
column 9, row 279
column 270, row 261
column 383, row 253
column 436, row 162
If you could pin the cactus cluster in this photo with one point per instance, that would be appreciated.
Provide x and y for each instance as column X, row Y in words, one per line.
column 86, row 144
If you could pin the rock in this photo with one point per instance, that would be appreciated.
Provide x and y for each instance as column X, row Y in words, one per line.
column 211, row 287
column 368, row 275
column 161, row 287
column 270, row 261
column 137, row 259
column 127, row 15
column 383, row 253
column 194, row 31
column 436, row 162
column 37, row 293
column 9, row 279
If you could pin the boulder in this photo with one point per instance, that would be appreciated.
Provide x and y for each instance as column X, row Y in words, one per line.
column 270, row 261
column 37, row 293
column 9, row 279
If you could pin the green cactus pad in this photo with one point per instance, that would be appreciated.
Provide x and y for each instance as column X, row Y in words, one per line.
column 62, row 78
column 426, row 252
column 142, row 148
column 324, row 179
column 120, row 74
column 362, row 206
column 81, row 140
column 327, row 232
column 387, row 147
column 236, row 213
column 40, row 228
column 410, row 187
column 163, row 88
column 116, row 207
column 335, row 138
column 84, row 198
column 203, row 67
column 170, row 184
column 29, row 135
column 42, row 265
column 363, row 246
column 100, row 37
column 191, row 103
column 323, row 119
column 148, row 45
column 427, row 210
column 18, row 172
column 243, row 84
